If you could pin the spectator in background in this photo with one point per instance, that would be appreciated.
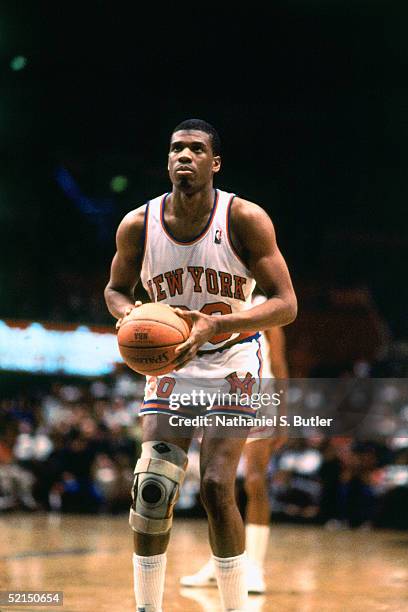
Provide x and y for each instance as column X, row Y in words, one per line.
column 15, row 482
column 43, row 444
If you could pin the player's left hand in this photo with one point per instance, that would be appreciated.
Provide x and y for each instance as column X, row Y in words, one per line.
column 127, row 312
column 203, row 327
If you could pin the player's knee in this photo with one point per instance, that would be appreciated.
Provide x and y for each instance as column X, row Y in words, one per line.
column 159, row 473
column 255, row 484
column 215, row 492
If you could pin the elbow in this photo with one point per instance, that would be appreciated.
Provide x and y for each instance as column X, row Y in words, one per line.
column 291, row 310
column 106, row 292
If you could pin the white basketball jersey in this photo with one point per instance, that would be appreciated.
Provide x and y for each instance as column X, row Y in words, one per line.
column 203, row 274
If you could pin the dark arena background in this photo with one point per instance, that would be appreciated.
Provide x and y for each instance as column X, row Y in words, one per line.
column 310, row 99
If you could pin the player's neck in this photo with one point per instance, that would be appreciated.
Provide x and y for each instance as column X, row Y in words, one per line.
column 192, row 204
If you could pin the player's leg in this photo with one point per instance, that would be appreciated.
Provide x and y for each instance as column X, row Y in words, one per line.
column 219, row 462
column 256, row 455
column 158, row 476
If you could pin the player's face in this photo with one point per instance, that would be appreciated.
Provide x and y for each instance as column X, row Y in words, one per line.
column 192, row 163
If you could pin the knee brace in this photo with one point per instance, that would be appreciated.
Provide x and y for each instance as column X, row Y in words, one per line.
column 159, row 474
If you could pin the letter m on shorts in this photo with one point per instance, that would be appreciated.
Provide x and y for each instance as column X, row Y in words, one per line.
column 239, row 385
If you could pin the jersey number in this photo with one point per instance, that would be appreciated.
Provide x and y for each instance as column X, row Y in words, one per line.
column 213, row 308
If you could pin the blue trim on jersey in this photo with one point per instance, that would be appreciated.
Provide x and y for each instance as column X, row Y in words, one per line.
column 163, row 406
column 259, row 358
column 156, row 401
column 233, row 412
column 187, row 242
column 168, row 411
column 179, row 413
column 225, row 348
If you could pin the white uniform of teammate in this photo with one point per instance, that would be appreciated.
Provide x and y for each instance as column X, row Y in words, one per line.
column 204, row 274
column 260, row 432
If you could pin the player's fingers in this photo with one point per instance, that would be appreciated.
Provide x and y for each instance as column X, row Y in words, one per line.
column 190, row 315
column 188, row 353
column 180, row 312
column 128, row 310
column 182, row 348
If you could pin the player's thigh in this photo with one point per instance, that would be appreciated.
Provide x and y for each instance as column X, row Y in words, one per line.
column 219, row 456
column 158, row 427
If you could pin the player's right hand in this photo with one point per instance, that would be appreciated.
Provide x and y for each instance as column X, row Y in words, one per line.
column 127, row 312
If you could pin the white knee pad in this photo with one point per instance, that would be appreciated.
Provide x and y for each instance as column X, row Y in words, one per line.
column 159, row 474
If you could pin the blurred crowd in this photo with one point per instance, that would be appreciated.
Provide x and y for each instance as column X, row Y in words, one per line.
column 71, row 446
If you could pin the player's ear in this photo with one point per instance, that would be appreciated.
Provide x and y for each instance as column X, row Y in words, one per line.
column 216, row 163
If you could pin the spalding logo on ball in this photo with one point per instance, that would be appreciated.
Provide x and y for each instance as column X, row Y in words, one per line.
column 149, row 336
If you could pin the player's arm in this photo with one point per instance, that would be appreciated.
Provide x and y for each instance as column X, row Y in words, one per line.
column 254, row 238
column 125, row 268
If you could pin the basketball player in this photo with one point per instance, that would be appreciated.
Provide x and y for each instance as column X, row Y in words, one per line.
column 257, row 454
column 203, row 249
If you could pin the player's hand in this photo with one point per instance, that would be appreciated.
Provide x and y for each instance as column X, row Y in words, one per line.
column 203, row 327
column 127, row 312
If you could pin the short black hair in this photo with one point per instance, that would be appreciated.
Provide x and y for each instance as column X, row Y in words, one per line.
column 202, row 126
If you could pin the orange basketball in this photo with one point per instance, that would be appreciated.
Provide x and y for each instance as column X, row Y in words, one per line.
column 149, row 336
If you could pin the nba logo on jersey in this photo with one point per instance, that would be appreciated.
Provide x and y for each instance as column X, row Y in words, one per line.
column 218, row 235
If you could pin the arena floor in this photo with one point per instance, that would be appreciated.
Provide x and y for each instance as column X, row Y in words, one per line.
column 309, row 569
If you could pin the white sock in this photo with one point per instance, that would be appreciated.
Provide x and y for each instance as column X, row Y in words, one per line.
column 256, row 543
column 231, row 573
column 148, row 573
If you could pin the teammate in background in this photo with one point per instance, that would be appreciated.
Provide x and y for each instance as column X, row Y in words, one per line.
column 203, row 249
column 256, row 455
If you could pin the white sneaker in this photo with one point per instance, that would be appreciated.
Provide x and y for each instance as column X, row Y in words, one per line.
column 205, row 577
column 256, row 582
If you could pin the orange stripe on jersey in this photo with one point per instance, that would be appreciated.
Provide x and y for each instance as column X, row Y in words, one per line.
column 197, row 238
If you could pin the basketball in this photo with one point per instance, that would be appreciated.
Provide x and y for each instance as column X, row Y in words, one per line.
column 149, row 336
